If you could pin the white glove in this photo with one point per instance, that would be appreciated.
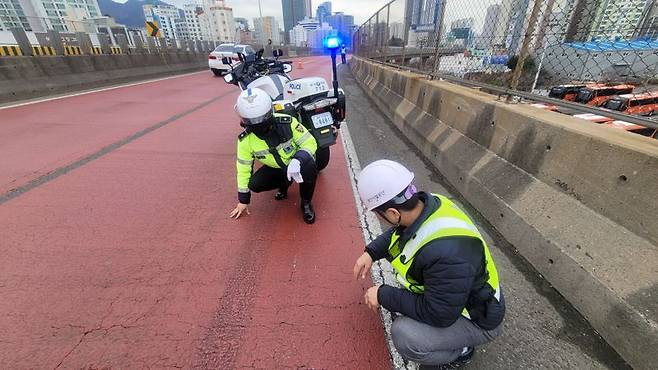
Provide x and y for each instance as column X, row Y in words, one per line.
column 295, row 171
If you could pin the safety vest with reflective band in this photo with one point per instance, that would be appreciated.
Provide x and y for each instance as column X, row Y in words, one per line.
column 251, row 147
column 447, row 221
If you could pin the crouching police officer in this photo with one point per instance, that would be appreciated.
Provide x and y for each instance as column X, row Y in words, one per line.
column 451, row 299
column 284, row 147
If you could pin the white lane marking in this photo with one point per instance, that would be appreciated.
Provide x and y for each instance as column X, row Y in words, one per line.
column 381, row 272
column 96, row 90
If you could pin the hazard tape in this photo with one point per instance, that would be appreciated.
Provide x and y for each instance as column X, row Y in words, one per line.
column 72, row 50
column 43, row 50
column 10, row 51
column 116, row 50
column 96, row 50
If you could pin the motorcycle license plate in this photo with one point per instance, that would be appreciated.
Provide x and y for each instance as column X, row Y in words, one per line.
column 322, row 119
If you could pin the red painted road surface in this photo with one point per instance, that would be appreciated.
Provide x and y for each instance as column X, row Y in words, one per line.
column 117, row 250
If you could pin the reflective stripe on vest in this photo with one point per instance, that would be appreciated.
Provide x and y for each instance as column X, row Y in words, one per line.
column 447, row 221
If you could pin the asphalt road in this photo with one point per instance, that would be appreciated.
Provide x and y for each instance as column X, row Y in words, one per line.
column 118, row 252
column 541, row 330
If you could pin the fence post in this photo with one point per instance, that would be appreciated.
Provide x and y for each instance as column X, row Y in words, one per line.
column 532, row 21
column 387, row 36
column 437, row 44
column 406, row 27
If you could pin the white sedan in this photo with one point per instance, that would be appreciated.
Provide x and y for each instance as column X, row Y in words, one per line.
column 227, row 50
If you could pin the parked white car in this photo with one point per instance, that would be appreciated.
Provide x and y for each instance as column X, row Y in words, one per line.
column 227, row 50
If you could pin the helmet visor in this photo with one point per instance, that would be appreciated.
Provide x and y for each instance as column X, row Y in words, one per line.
column 257, row 120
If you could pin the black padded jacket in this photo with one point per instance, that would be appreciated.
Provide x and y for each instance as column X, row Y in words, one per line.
column 453, row 273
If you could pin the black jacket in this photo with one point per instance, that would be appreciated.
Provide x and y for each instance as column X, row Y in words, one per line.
column 453, row 273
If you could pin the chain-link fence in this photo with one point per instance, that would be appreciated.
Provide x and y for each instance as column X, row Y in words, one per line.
column 576, row 50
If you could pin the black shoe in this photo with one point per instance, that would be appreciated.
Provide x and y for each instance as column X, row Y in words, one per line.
column 461, row 361
column 281, row 195
column 308, row 212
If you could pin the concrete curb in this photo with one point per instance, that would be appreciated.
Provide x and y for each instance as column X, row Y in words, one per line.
column 549, row 184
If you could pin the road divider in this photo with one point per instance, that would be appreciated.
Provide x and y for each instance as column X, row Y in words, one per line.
column 26, row 78
column 577, row 200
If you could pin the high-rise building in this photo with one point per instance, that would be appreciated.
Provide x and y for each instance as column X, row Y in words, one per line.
column 192, row 13
column 15, row 16
column 267, row 28
column 293, row 12
column 323, row 12
column 217, row 22
column 343, row 24
column 41, row 15
column 462, row 29
column 168, row 17
column 299, row 33
column 316, row 37
column 618, row 19
column 489, row 35
column 243, row 23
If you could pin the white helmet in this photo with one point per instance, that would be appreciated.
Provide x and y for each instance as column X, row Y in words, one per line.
column 382, row 181
column 254, row 106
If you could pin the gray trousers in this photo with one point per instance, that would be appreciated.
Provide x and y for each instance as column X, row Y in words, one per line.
column 429, row 345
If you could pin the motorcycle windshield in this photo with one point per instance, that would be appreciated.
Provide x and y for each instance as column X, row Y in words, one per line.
column 272, row 85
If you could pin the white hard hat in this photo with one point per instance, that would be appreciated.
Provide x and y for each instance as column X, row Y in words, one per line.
column 382, row 181
column 254, row 106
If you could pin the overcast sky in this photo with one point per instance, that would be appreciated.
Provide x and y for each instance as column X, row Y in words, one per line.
column 360, row 9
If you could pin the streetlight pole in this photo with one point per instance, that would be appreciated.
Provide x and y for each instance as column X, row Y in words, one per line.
column 262, row 24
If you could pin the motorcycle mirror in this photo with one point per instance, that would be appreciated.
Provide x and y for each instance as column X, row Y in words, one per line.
column 228, row 78
column 226, row 60
column 287, row 68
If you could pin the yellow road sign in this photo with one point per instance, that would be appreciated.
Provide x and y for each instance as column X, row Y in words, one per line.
column 153, row 29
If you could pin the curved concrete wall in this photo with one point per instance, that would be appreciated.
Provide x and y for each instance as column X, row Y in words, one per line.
column 29, row 77
column 578, row 200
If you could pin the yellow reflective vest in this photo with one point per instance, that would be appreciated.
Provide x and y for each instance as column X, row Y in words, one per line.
column 251, row 147
column 447, row 221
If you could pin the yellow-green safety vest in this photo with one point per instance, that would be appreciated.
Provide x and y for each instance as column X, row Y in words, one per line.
column 447, row 221
column 251, row 147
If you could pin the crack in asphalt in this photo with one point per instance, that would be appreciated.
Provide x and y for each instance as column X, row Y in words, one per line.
column 35, row 183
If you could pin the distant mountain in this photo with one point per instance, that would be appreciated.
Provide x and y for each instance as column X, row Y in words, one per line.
column 129, row 13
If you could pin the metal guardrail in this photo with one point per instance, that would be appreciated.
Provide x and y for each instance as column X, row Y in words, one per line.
column 520, row 47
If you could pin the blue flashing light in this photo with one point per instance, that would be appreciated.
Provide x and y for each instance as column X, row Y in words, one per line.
column 332, row 42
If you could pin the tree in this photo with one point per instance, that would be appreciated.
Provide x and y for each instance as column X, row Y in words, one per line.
column 527, row 67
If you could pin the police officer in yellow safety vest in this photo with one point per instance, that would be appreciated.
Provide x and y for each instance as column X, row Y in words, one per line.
column 450, row 300
column 284, row 147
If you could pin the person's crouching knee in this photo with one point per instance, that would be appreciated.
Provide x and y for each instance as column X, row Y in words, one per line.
column 406, row 341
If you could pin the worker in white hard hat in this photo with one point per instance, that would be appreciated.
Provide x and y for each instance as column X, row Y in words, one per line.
column 450, row 299
column 284, row 147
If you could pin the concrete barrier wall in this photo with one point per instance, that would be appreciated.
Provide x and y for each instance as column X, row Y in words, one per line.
column 578, row 200
column 29, row 77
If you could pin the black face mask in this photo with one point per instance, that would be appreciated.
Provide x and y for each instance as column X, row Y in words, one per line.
column 261, row 129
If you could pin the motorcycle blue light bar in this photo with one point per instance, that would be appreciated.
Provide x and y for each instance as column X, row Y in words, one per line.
column 332, row 42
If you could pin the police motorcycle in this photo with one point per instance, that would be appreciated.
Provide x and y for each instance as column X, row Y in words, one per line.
column 319, row 108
